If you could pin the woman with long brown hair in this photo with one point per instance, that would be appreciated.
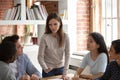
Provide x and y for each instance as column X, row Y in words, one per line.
column 97, row 59
column 54, row 44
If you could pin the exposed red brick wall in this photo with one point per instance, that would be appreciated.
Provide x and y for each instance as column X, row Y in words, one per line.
column 4, row 5
column 51, row 8
column 82, row 24
column 9, row 29
column 6, row 29
column 82, row 19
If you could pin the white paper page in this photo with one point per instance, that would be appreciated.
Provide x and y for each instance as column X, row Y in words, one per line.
column 55, row 79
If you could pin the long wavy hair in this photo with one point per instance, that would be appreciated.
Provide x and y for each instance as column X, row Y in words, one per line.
column 98, row 38
column 60, row 31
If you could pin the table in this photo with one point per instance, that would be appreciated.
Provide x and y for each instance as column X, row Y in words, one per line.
column 59, row 76
column 52, row 77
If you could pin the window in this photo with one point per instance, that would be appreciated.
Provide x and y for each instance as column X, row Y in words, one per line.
column 110, row 18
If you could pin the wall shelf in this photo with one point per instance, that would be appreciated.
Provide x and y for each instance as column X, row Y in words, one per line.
column 69, row 24
column 17, row 22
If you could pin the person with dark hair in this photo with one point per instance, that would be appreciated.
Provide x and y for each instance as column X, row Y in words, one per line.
column 22, row 66
column 113, row 69
column 97, row 59
column 7, row 55
column 54, row 44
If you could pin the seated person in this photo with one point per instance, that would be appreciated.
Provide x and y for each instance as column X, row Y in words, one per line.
column 7, row 55
column 96, row 59
column 113, row 69
column 22, row 65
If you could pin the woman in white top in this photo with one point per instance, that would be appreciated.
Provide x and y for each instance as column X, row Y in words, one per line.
column 53, row 46
column 97, row 58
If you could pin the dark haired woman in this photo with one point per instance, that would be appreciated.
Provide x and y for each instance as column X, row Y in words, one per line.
column 113, row 69
column 97, row 59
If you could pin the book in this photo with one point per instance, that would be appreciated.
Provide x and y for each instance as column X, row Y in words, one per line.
column 28, row 13
column 44, row 11
column 13, row 13
column 41, row 12
column 18, row 12
column 7, row 14
column 33, row 14
column 37, row 13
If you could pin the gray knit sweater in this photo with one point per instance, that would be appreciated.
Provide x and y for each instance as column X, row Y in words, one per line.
column 50, row 55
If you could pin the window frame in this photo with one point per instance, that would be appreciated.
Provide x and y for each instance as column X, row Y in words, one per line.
column 96, row 17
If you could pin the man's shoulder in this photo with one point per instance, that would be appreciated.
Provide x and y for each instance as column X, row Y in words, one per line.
column 23, row 56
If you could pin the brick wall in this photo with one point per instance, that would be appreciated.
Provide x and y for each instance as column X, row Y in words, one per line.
column 50, row 8
column 82, row 23
column 82, row 19
column 4, row 5
column 5, row 29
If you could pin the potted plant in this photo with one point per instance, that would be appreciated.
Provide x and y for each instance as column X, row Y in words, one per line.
column 28, row 34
